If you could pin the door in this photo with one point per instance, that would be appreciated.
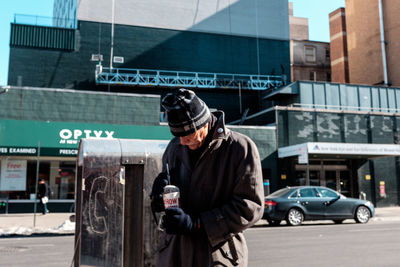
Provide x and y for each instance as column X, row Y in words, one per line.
column 312, row 203
column 331, row 179
column 335, row 206
column 338, row 180
column 345, row 183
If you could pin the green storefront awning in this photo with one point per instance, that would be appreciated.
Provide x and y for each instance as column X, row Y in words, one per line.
column 20, row 137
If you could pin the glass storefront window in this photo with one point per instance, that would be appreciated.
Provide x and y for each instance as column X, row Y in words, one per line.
column 59, row 175
column 65, row 180
column 301, row 177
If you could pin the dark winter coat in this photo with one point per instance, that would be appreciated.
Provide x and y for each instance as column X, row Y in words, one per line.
column 224, row 189
column 43, row 190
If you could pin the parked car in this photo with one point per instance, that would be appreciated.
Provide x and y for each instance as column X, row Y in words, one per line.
column 301, row 203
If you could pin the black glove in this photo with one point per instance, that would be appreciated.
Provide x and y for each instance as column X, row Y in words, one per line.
column 177, row 222
column 156, row 192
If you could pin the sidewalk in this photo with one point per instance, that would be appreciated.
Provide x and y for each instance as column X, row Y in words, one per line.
column 387, row 214
column 21, row 224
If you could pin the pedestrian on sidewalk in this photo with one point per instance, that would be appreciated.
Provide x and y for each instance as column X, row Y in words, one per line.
column 43, row 195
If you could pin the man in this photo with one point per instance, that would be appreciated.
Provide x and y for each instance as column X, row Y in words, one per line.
column 218, row 172
column 43, row 195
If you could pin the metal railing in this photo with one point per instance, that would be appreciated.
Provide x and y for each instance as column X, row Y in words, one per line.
column 145, row 77
column 45, row 21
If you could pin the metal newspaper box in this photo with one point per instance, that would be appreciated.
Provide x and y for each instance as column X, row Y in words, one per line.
column 114, row 222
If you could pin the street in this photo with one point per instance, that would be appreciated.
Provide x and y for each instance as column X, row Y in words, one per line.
column 316, row 244
column 51, row 251
column 313, row 244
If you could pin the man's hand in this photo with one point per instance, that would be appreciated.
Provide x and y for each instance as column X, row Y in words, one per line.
column 177, row 222
column 156, row 192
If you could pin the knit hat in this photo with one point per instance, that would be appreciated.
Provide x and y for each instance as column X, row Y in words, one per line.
column 186, row 112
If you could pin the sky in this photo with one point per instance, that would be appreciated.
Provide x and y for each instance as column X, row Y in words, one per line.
column 315, row 10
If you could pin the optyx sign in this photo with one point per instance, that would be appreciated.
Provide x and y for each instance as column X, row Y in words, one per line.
column 72, row 136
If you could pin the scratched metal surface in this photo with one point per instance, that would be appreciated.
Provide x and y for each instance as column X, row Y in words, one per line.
column 102, row 198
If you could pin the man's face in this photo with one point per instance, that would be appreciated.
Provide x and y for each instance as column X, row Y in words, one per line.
column 196, row 139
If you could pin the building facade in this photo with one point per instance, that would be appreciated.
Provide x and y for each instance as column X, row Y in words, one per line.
column 40, row 138
column 298, row 26
column 238, row 42
column 343, row 136
column 195, row 38
column 64, row 13
column 239, row 37
column 373, row 54
column 310, row 60
column 338, row 46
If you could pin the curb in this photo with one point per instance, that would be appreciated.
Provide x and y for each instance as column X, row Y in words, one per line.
column 35, row 235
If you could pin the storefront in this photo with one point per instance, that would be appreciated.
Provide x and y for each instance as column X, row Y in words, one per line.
column 30, row 150
column 333, row 164
column 356, row 153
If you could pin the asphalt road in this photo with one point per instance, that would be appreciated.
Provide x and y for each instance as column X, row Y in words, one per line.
column 373, row 244
column 51, row 251
column 318, row 244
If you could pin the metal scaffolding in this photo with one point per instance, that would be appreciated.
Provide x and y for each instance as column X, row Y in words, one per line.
column 142, row 77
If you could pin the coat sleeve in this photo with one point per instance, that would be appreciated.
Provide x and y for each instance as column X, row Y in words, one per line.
column 246, row 205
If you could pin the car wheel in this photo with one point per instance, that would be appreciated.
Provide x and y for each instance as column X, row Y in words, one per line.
column 362, row 214
column 294, row 217
column 274, row 222
column 338, row 221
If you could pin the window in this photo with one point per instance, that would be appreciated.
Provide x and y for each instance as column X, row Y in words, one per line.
column 328, row 77
column 309, row 53
column 313, row 76
column 280, row 192
column 327, row 54
column 295, row 194
column 324, row 192
column 59, row 175
column 308, row 192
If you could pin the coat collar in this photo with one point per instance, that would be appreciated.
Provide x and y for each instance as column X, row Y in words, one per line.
column 220, row 131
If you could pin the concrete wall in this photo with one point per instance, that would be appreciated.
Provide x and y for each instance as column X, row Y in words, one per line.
column 266, row 19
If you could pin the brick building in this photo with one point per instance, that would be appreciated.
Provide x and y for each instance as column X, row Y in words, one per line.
column 338, row 44
column 373, row 47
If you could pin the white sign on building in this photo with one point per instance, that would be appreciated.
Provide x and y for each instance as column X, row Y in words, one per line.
column 13, row 175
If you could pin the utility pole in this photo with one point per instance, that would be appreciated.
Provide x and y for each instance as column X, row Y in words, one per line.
column 112, row 39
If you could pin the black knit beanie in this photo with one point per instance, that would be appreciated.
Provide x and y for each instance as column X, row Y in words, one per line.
column 186, row 112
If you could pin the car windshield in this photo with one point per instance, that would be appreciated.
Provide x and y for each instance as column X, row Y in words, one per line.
column 280, row 192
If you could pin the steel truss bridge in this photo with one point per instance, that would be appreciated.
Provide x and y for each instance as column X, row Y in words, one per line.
column 143, row 77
